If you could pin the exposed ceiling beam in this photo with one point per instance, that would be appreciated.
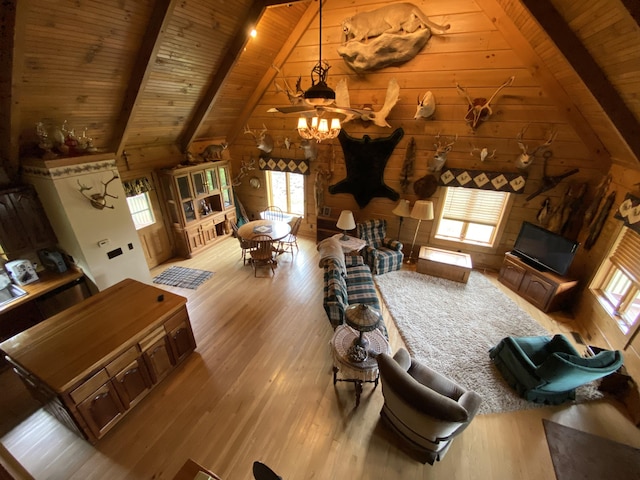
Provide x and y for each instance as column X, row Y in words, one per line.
column 267, row 79
column 224, row 69
column 162, row 13
column 633, row 7
column 590, row 72
column 520, row 44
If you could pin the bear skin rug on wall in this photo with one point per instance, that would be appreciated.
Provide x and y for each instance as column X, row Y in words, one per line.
column 365, row 160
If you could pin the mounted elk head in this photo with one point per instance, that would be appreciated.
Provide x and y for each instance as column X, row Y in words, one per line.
column 310, row 148
column 426, row 106
column 98, row 200
column 263, row 140
column 442, row 150
column 482, row 153
column 480, row 108
column 525, row 159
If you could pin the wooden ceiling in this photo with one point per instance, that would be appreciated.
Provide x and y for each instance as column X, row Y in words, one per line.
column 155, row 72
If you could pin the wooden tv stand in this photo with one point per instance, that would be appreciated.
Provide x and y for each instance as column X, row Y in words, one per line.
column 546, row 290
column 92, row 363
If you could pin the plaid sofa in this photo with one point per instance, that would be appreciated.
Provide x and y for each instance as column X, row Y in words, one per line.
column 347, row 280
column 381, row 253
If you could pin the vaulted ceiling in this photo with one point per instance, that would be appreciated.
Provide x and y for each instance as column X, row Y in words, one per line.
column 154, row 72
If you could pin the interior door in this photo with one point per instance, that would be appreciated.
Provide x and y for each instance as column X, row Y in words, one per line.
column 155, row 238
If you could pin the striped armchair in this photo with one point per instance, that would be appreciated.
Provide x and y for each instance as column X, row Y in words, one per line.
column 382, row 254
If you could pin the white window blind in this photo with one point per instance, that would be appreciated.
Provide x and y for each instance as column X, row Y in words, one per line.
column 627, row 255
column 473, row 205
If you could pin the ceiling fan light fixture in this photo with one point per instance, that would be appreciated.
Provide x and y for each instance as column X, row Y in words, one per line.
column 320, row 94
column 320, row 128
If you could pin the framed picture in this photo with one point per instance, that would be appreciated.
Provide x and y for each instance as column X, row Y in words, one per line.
column 326, row 211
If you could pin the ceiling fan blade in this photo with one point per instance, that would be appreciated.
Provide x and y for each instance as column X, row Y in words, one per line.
column 291, row 109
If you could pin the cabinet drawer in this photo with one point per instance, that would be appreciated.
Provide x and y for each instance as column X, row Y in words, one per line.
column 122, row 361
column 176, row 319
column 158, row 333
column 90, row 386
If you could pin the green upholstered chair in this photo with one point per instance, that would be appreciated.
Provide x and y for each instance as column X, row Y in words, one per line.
column 424, row 408
column 548, row 370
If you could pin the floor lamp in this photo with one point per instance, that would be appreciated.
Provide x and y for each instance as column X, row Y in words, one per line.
column 402, row 210
column 422, row 210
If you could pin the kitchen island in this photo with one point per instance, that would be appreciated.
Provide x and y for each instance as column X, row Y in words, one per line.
column 90, row 364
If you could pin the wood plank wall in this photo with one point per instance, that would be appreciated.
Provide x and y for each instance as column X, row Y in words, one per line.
column 473, row 53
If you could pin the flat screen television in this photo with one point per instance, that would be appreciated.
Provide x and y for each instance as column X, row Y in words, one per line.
column 543, row 249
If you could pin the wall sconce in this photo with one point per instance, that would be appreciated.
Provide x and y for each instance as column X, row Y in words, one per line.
column 98, row 200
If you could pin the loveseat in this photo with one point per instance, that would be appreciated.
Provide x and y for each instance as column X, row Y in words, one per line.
column 347, row 280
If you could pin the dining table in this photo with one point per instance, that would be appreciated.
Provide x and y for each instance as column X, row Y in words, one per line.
column 276, row 229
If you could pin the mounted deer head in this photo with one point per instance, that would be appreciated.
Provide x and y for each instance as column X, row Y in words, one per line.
column 442, row 150
column 98, row 200
column 525, row 159
column 426, row 106
column 482, row 153
column 263, row 140
column 480, row 108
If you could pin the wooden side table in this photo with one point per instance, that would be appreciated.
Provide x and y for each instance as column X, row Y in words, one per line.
column 360, row 372
column 441, row 263
column 353, row 244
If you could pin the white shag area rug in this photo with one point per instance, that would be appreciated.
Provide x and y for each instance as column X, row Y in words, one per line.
column 451, row 326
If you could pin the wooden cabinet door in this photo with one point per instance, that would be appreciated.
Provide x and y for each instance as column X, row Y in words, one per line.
column 159, row 359
column 208, row 229
column 182, row 341
column 537, row 290
column 102, row 409
column 511, row 274
column 195, row 238
column 132, row 383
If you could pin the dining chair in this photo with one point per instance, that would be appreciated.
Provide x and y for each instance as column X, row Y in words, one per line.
column 245, row 245
column 273, row 213
column 291, row 240
column 262, row 253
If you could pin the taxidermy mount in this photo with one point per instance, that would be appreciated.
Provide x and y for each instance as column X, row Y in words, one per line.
column 399, row 31
column 366, row 159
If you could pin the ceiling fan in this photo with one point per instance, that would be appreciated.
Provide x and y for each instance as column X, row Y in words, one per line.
column 320, row 99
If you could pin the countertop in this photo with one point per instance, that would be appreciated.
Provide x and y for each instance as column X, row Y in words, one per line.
column 65, row 348
column 46, row 282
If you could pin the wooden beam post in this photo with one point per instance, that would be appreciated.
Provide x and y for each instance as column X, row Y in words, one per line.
column 162, row 14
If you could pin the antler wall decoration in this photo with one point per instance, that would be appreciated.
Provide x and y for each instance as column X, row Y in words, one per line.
column 440, row 157
column 245, row 168
column 525, row 159
column 99, row 200
column 480, row 108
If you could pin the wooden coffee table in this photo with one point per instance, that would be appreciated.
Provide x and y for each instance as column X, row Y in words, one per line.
column 454, row 266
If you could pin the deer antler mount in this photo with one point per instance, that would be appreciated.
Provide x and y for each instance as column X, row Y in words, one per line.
column 98, row 200
column 480, row 108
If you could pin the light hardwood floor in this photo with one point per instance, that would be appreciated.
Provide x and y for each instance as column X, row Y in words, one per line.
column 259, row 387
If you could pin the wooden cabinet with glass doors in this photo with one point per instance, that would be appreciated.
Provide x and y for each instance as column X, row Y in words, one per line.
column 199, row 203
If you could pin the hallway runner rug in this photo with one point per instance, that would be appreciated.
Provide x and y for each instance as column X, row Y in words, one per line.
column 183, row 277
column 584, row 456
column 451, row 326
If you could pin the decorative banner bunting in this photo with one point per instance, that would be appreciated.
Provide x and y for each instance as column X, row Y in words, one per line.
column 505, row 182
column 629, row 212
column 286, row 165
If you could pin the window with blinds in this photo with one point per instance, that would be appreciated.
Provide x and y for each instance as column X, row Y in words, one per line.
column 470, row 215
column 617, row 283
